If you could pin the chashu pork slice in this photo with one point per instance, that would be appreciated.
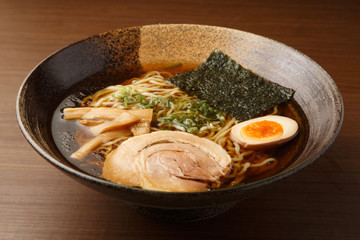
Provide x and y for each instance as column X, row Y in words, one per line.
column 167, row 161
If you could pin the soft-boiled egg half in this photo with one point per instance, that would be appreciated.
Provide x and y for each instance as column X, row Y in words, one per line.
column 264, row 132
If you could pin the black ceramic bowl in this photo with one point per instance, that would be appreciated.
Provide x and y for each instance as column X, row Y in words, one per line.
column 103, row 59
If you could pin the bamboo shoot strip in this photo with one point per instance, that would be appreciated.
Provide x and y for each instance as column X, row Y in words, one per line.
column 97, row 141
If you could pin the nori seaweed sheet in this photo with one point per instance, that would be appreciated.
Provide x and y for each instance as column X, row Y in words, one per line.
column 228, row 86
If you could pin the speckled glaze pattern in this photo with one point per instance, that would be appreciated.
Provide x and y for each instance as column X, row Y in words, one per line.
column 105, row 59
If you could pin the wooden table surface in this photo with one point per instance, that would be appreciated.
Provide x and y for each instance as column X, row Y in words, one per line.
column 321, row 202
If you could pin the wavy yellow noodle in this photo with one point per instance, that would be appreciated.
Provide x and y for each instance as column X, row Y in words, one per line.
column 153, row 84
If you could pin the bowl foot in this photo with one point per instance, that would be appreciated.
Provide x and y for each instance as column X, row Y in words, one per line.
column 182, row 214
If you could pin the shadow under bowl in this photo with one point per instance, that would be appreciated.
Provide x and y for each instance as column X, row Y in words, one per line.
column 101, row 60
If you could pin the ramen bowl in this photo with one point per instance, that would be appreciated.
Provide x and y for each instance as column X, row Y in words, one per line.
column 101, row 60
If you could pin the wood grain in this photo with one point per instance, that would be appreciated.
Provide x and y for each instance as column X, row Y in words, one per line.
column 39, row 202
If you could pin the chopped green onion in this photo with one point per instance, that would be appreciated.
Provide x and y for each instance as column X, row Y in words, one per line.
column 191, row 117
column 173, row 65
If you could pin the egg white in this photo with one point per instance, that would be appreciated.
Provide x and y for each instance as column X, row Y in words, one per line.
column 290, row 128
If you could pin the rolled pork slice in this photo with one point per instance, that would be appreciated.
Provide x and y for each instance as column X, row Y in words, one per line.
column 167, row 161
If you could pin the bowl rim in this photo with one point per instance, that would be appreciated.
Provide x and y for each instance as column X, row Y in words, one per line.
column 265, row 181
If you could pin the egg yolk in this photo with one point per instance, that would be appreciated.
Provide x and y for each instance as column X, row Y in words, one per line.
column 262, row 131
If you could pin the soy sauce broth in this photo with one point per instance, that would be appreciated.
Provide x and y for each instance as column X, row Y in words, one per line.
column 69, row 135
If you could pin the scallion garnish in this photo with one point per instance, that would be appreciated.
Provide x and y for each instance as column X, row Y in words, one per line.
column 192, row 117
